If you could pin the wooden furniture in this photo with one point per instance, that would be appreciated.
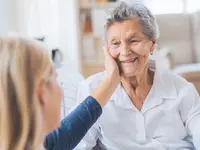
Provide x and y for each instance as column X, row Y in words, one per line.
column 92, row 58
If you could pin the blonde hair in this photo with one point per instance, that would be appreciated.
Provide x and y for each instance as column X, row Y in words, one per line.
column 23, row 67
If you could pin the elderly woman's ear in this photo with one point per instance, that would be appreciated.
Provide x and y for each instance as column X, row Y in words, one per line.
column 153, row 47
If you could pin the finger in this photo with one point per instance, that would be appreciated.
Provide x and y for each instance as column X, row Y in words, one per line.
column 106, row 52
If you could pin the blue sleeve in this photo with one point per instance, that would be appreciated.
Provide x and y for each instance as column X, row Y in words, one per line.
column 74, row 126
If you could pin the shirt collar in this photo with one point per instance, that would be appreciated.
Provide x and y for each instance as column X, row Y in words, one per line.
column 163, row 89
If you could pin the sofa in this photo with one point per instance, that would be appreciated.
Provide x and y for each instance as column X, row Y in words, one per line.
column 179, row 45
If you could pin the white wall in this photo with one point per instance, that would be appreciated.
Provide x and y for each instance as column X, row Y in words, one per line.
column 57, row 20
column 13, row 16
column 3, row 17
column 69, row 38
column 10, row 17
column 42, row 20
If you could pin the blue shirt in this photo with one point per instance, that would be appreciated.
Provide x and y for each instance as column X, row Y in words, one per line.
column 74, row 126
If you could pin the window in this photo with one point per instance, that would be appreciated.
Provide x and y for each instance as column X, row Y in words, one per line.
column 165, row 6
column 192, row 5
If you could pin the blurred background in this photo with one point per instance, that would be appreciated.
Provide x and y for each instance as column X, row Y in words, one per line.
column 73, row 31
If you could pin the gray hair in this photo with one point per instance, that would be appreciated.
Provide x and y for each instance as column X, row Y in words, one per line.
column 134, row 9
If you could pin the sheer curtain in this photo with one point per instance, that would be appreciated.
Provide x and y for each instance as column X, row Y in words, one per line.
column 38, row 18
column 43, row 20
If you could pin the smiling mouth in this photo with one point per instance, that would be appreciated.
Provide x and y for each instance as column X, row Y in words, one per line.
column 130, row 61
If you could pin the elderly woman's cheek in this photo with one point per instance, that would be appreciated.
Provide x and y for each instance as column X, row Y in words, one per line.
column 141, row 49
column 114, row 52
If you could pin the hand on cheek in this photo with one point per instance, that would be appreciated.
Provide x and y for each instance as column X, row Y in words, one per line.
column 114, row 53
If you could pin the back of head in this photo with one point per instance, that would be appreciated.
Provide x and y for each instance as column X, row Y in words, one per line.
column 23, row 66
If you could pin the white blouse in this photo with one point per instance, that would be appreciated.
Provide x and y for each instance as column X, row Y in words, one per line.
column 168, row 120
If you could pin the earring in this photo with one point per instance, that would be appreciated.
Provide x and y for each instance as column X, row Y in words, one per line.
column 151, row 53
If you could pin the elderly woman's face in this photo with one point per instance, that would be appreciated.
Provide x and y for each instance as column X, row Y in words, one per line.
column 129, row 46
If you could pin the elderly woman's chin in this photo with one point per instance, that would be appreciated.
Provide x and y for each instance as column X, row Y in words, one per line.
column 129, row 69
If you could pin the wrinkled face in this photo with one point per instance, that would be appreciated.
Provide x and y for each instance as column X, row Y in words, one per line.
column 51, row 99
column 129, row 46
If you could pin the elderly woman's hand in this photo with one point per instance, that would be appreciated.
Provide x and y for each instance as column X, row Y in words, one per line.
column 112, row 69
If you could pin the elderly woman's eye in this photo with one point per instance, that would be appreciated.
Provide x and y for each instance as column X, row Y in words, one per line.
column 116, row 43
column 133, row 41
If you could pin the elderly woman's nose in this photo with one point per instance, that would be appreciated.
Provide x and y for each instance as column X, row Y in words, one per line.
column 125, row 50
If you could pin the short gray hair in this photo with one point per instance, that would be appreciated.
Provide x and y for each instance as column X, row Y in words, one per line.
column 134, row 9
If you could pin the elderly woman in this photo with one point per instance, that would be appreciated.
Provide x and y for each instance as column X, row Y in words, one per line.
column 150, row 109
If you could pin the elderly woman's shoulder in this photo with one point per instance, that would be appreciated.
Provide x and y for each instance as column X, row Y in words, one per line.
column 172, row 76
column 173, row 79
